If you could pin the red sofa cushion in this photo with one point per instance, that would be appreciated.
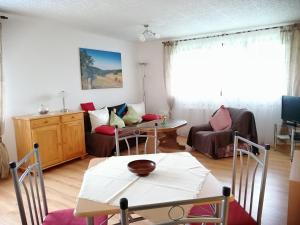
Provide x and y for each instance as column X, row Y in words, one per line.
column 236, row 215
column 66, row 217
column 105, row 129
column 150, row 117
column 88, row 106
column 221, row 120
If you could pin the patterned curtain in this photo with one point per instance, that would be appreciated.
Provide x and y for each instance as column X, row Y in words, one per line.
column 4, row 167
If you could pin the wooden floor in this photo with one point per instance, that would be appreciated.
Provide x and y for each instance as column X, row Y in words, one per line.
column 63, row 184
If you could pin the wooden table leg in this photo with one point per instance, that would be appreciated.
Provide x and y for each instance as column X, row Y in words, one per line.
column 165, row 140
column 169, row 140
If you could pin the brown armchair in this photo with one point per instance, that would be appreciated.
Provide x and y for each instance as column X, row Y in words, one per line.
column 219, row 144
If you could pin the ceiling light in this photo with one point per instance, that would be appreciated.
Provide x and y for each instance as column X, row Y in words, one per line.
column 148, row 34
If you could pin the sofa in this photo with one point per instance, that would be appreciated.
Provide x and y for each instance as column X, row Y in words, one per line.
column 103, row 144
column 219, row 144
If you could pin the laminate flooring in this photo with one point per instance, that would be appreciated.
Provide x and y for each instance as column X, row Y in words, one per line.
column 63, row 184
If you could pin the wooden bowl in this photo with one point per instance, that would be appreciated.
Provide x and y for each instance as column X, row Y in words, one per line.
column 141, row 167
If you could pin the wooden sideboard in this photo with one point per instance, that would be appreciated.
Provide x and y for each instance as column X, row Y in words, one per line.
column 294, row 191
column 60, row 136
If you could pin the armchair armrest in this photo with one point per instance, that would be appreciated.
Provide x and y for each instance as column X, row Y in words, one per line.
column 227, row 133
column 203, row 127
column 222, row 138
column 195, row 129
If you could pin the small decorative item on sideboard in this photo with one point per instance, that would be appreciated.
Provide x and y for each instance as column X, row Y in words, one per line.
column 63, row 96
column 43, row 109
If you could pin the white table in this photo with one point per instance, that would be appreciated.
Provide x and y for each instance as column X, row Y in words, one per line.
column 89, row 208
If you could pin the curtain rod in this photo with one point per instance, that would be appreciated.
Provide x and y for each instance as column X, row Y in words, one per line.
column 226, row 34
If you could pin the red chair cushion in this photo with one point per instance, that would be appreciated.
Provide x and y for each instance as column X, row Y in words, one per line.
column 88, row 106
column 201, row 210
column 150, row 117
column 105, row 129
column 66, row 217
column 236, row 215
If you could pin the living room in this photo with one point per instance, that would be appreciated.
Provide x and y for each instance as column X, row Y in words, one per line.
column 41, row 65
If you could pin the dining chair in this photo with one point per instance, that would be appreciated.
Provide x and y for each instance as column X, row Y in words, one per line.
column 137, row 133
column 30, row 186
column 292, row 135
column 243, row 189
column 176, row 206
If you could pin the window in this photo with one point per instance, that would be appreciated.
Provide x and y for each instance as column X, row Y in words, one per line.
column 244, row 71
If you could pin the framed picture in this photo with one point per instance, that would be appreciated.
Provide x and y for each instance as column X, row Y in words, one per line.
column 100, row 69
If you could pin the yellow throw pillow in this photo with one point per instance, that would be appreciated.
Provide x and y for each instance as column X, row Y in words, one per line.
column 115, row 120
column 131, row 116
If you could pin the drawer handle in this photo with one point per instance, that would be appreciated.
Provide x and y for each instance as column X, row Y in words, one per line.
column 46, row 121
column 73, row 117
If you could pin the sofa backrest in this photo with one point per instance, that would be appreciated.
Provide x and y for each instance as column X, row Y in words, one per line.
column 87, row 123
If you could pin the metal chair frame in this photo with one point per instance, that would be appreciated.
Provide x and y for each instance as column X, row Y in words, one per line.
column 293, row 141
column 218, row 219
column 263, row 163
column 135, row 132
column 35, row 194
column 290, row 137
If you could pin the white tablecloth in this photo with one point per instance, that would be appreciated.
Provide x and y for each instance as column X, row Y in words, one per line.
column 178, row 176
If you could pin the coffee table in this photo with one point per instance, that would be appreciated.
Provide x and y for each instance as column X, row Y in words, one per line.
column 167, row 131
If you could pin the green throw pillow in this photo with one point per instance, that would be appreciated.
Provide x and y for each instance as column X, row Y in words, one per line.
column 115, row 120
column 131, row 116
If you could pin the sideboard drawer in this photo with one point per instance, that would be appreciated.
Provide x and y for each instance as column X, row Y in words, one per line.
column 71, row 117
column 44, row 121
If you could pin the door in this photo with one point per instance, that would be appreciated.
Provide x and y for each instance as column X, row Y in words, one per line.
column 49, row 140
column 73, row 139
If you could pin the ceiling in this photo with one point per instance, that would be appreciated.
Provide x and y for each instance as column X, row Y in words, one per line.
column 170, row 18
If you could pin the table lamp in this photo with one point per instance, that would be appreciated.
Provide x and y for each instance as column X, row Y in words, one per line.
column 63, row 95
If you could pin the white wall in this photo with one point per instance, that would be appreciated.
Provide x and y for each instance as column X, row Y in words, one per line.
column 156, row 96
column 41, row 58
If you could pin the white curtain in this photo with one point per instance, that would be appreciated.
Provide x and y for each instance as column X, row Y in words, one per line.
column 168, row 53
column 4, row 167
column 241, row 70
column 291, row 40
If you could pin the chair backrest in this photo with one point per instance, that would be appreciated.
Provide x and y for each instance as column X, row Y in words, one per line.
column 30, row 184
column 249, row 167
column 220, row 218
column 137, row 133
